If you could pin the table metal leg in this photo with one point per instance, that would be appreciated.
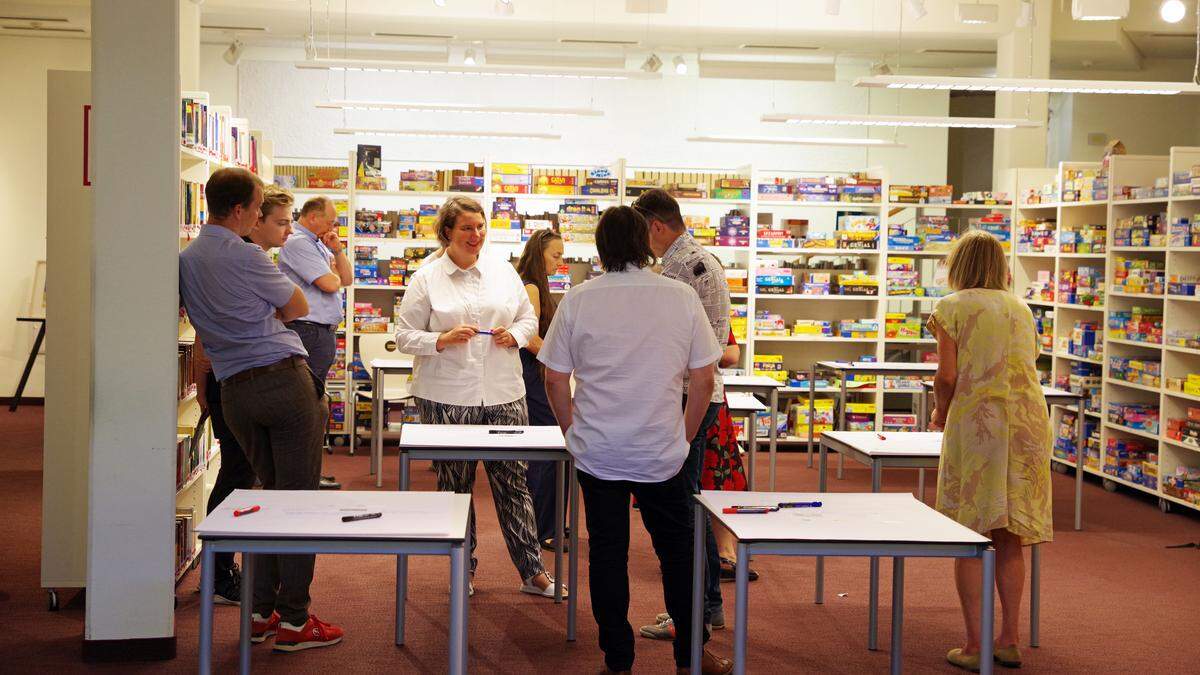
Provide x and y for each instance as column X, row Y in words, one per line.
column 697, row 626
column 774, row 433
column 921, row 484
column 206, row 609
column 741, row 607
column 401, row 596
column 558, row 532
column 812, row 396
column 402, row 561
column 923, row 409
column 897, row 613
column 841, row 465
column 573, row 557
column 1080, row 453
column 377, row 425
column 842, row 424
column 988, row 611
column 752, row 444
column 1035, row 594
column 873, row 608
column 33, row 354
column 247, row 604
column 821, row 485
column 458, row 606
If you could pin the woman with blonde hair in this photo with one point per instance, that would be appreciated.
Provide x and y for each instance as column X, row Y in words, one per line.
column 464, row 317
column 994, row 475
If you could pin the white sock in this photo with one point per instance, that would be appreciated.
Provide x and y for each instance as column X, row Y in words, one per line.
column 284, row 624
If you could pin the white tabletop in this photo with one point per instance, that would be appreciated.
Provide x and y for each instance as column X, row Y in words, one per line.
column 743, row 402
column 473, row 436
column 751, row 381
column 317, row 514
column 893, row 443
column 402, row 363
column 844, row 517
column 1051, row 394
column 880, row 367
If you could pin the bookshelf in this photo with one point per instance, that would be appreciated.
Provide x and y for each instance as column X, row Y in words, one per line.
column 211, row 139
column 798, row 351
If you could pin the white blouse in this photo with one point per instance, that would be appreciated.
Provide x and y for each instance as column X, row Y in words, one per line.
column 440, row 296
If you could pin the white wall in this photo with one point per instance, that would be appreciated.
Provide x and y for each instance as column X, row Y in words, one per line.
column 646, row 122
column 23, row 191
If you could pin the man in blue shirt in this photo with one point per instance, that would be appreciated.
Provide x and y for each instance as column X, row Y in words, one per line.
column 238, row 300
column 314, row 259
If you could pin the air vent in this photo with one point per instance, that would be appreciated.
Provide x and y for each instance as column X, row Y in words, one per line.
column 44, row 29
column 794, row 48
column 607, row 43
column 958, row 52
column 412, row 36
column 239, row 29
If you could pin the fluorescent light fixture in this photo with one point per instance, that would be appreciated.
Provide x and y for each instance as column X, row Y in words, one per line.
column 792, row 140
column 902, row 121
column 833, row 7
column 469, row 57
column 433, row 133
column 1099, row 10
column 504, row 7
column 404, row 106
column 1172, row 11
column 439, row 3
column 974, row 13
column 1025, row 15
column 475, row 71
column 652, row 64
column 1027, row 85
column 680, row 65
column 917, row 8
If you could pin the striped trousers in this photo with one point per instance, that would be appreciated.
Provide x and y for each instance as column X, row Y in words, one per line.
column 514, row 507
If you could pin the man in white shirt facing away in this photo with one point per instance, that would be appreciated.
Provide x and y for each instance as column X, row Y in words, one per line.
column 629, row 337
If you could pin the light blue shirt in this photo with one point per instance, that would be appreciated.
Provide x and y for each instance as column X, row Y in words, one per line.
column 231, row 289
column 304, row 259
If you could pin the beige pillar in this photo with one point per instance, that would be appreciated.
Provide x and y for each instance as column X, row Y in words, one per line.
column 189, row 44
column 1025, row 52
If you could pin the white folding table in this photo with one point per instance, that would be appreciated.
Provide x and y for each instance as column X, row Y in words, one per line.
column 885, row 524
column 746, row 405
column 844, row 368
column 380, row 368
column 464, row 442
column 310, row 521
column 769, row 389
column 913, row 450
column 1060, row 397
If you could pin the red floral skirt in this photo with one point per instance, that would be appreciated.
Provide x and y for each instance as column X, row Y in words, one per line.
column 723, row 468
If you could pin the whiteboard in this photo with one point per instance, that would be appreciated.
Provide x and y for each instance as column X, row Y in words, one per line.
column 880, row 367
column 742, row 402
column 893, row 443
column 751, row 381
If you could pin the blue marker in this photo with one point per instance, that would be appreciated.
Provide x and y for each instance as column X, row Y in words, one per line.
column 798, row 505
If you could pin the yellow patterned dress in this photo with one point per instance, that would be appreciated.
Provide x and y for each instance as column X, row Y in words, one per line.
column 995, row 466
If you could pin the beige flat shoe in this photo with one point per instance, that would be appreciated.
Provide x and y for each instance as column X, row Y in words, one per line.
column 1009, row 657
column 957, row 658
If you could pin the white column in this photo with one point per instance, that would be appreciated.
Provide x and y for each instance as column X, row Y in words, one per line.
column 131, row 486
column 1017, row 56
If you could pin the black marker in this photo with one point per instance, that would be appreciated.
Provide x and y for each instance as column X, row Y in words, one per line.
column 506, row 431
column 361, row 516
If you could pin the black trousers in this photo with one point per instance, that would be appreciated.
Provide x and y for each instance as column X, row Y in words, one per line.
column 235, row 472
column 279, row 418
column 667, row 513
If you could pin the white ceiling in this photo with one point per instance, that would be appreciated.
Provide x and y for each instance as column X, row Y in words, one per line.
column 865, row 30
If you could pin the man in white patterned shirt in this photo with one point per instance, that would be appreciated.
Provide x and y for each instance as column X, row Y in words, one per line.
column 683, row 259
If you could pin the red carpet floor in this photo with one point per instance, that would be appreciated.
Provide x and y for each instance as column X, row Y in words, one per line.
column 1114, row 598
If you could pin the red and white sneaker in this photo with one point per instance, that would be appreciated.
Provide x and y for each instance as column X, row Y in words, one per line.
column 261, row 629
column 314, row 633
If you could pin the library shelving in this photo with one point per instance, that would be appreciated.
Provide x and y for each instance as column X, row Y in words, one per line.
column 211, row 139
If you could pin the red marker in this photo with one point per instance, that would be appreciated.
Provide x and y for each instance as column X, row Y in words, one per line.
column 243, row 512
column 881, row 437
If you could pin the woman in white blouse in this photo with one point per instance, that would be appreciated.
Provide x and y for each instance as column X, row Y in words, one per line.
column 465, row 317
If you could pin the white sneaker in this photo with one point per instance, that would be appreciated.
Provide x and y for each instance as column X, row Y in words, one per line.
column 547, row 592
